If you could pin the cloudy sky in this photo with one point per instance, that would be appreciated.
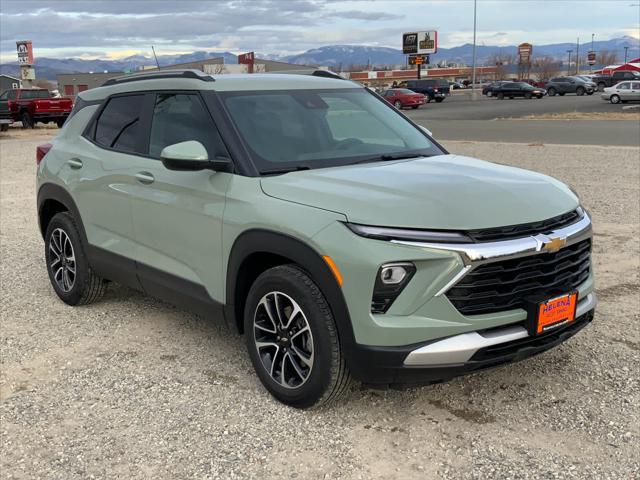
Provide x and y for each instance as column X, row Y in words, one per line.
column 118, row 28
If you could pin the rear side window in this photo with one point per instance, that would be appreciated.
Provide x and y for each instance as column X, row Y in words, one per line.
column 118, row 126
column 33, row 94
column 181, row 118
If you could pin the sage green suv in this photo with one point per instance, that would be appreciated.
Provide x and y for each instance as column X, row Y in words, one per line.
column 318, row 220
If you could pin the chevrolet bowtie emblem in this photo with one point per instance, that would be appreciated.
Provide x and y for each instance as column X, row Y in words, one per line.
column 554, row 244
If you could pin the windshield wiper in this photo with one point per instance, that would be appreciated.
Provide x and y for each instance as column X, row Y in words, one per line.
column 390, row 156
column 278, row 171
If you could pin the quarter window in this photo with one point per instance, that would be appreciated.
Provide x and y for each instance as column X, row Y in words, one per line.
column 119, row 124
column 181, row 118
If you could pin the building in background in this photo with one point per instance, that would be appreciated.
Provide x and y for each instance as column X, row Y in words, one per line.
column 70, row 84
column 8, row 82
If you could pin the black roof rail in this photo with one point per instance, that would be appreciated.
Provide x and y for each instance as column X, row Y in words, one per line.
column 157, row 74
column 311, row 71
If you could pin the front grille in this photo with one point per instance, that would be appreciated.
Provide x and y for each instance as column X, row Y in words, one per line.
column 524, row 229
column 504, row 285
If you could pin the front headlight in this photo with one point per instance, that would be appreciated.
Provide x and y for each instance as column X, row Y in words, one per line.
column 390, row 233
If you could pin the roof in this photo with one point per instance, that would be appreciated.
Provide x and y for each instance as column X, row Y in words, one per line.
column 9, row 76
column 220, row 83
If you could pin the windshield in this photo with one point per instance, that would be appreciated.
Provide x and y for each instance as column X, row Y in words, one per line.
column 322, row 128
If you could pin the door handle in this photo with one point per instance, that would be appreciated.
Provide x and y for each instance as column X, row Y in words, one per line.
column 145, row 177
column 75, row 163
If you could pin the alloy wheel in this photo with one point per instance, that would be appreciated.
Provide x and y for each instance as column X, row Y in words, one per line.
column 283, row 339
column 62, row 260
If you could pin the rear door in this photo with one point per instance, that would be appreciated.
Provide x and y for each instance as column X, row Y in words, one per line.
column 634, row 94
column 177, row 216
column 98, row 172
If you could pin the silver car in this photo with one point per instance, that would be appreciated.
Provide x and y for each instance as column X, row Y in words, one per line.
column 622, row 92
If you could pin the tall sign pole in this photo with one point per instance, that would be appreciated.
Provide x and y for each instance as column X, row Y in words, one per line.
column 25, row 60
column 473, row 68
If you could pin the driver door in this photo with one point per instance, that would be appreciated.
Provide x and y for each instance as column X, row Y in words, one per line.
column 177, row 215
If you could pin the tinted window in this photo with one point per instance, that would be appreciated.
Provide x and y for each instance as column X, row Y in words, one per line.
column 181, row 118
column 119, row 124
column 32, row 94
column 511, row 85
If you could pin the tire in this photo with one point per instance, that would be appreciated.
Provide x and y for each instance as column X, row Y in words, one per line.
column 601, row 86
column 500, row 96
column 415, row 107
column 528, row 96
column 27, row 121
column 561, row 94
column 614, row 99
column 580, row 91
column 552, row 92
column 398, row 104
column 60, row 122
column 73, row 281
column 489, row 94
column 308, row 385
column 439, row 100
column 4, row 127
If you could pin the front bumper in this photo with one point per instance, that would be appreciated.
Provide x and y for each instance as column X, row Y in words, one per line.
column 458, row 355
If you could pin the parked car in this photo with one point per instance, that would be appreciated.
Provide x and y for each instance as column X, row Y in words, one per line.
column 456, row 85
column 517, row 89
column 402, row 97
column 330, row 229
column 433, row 88
column 5, row 116
column 489, row 89
column 35, row 105
column 603, row 81
column 622, row 92
column 563, row 85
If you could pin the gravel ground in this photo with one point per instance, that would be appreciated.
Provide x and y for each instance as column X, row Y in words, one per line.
column 131, row 387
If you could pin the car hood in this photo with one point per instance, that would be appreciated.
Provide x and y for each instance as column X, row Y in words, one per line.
column 442, row 192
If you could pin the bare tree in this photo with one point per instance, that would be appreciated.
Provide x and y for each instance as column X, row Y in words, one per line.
column 499, row 61
column 606, row 57
column 546, row 67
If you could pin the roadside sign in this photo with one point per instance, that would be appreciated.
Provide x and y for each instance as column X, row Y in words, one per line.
column 27, row 73
column 25, row 52
column 420, row 42
column 247, row 59
column 591, row 58
column 524, row 52
column 418, row 59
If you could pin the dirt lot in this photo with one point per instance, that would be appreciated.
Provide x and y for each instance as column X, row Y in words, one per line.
column 131, row 387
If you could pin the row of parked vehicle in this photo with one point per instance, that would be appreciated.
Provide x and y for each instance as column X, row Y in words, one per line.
column 30, row 106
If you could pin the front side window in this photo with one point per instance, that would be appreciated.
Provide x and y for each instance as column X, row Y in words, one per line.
column 181, row 118
column 623, row 86
column 321, row 128
column 118, row 126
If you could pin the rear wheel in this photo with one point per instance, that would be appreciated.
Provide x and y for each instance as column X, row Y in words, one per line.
column 69, row 271
column 614, row 99
column 292, row 339
column 580, row 91
column 552, row 92
column 27, row 120
column 60, row 122
column 527, row 95
column 398, row 104
column 4, row 127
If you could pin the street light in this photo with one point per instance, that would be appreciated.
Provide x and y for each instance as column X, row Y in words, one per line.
column 473, row 68
column 569, row 64
column 591, row 66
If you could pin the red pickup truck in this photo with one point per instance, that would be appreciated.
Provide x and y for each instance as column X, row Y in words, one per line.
column 35, row 105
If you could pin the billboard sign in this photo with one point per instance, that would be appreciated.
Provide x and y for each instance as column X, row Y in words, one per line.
column 524, row 52
column 25, row 52
column 420, row 42
column 591, row 58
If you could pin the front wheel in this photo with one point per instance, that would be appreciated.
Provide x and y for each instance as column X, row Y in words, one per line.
column 551, row 92
column 614, row 99
column 292, row 339
column 580, row 91
column 398, row 104
column 70, row 274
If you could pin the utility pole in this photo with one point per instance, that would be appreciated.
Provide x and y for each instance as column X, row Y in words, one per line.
column 155, row 56
column 569, row 64
column 578, row 56
column 625, row 54
column 591, row 66
column 473, row 68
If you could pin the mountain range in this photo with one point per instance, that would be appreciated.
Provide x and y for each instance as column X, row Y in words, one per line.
column 336, row 56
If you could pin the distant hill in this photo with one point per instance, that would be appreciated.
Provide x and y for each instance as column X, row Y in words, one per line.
column 332, row 55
